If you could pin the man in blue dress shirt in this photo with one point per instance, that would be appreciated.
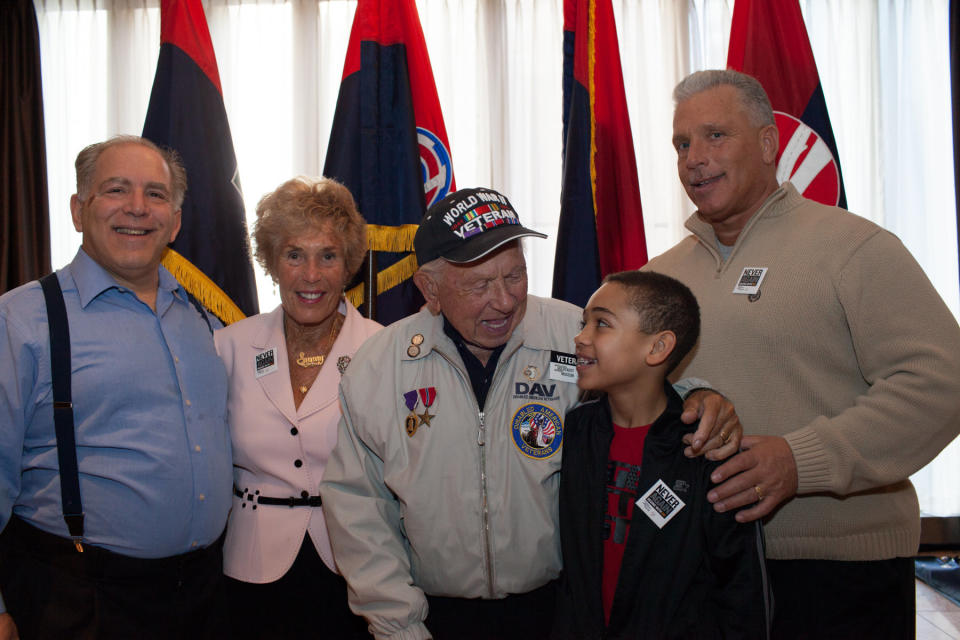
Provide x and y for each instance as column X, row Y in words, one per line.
column 152, row 446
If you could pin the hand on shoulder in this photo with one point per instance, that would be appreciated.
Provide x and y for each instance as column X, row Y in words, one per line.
column 764, row 474
column 718, row 435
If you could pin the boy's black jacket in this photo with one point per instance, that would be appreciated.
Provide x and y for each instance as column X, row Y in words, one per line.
column 700, row 577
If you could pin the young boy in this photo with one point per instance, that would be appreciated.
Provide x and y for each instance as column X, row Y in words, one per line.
column 644, row 553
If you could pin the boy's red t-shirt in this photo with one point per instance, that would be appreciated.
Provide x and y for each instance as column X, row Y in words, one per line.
column 623, row 475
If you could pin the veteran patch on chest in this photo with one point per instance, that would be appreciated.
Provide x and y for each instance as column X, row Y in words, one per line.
column 537, row 431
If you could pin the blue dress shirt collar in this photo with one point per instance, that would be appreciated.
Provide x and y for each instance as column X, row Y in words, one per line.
column 91, row 280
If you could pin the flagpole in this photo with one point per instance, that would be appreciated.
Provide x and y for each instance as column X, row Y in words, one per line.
column 370, row 285
column 955, row 93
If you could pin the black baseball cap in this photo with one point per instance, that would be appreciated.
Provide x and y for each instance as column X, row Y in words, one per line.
column 467, row 225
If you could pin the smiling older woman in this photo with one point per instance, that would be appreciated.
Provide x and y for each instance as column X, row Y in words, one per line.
column 285, row 369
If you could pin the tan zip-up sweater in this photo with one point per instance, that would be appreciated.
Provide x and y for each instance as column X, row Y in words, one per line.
column 848, row 353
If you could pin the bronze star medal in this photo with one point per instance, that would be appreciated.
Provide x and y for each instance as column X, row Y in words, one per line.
column 425, row 417
column 427, row 395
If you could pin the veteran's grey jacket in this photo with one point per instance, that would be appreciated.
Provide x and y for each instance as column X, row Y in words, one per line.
column 465, row 506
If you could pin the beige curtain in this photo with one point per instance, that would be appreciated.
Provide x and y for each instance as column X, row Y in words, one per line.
column 497, row 63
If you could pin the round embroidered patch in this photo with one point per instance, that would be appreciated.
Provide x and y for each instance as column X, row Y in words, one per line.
column 806, row 161
column 435, row 166
column 537, row 431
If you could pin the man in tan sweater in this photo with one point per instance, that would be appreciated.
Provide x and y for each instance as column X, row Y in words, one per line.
column 838, row 354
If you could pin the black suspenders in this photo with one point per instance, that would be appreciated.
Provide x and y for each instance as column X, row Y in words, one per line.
column 63, row 407
column 63, row 403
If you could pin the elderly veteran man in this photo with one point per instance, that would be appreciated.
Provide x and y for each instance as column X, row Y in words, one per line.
column 838, row 354
column 441, row 494
column 111, row 518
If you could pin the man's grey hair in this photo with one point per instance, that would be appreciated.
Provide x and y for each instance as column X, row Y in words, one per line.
column 752, row 95
column 86, row 166
column 434, row 268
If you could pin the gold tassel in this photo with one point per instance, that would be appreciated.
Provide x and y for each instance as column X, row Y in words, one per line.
column 396, row 273
column 201, row 287
column 393, row 239
column 355, row 295
column 386, row 279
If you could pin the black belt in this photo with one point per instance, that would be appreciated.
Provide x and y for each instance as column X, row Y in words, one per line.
column 305, row 499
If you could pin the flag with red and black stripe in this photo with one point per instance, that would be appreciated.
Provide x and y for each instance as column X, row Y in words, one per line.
column 211, row 255
column 768, row 40
column 601, row 219
column 388, row 143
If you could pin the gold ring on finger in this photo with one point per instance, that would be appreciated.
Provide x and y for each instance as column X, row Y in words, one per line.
column 759, row 493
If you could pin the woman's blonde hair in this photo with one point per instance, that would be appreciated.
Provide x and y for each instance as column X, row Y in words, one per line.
column 304, row 205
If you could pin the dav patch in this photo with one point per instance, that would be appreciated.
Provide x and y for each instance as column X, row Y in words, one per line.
column 537, row 431
column 535, row 391
column 660, row 503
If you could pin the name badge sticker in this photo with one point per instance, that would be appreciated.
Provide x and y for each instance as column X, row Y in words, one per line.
column 750, row 280
column 563, row 367
column 660, row 503
column 266, row 362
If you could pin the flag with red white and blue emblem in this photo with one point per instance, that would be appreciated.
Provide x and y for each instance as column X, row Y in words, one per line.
column 388, row 143
column 601, row 219
column 211, row 255
column 768, row 40
column 548, row 431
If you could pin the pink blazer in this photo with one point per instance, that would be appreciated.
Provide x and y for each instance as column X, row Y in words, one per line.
column 269, row 436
